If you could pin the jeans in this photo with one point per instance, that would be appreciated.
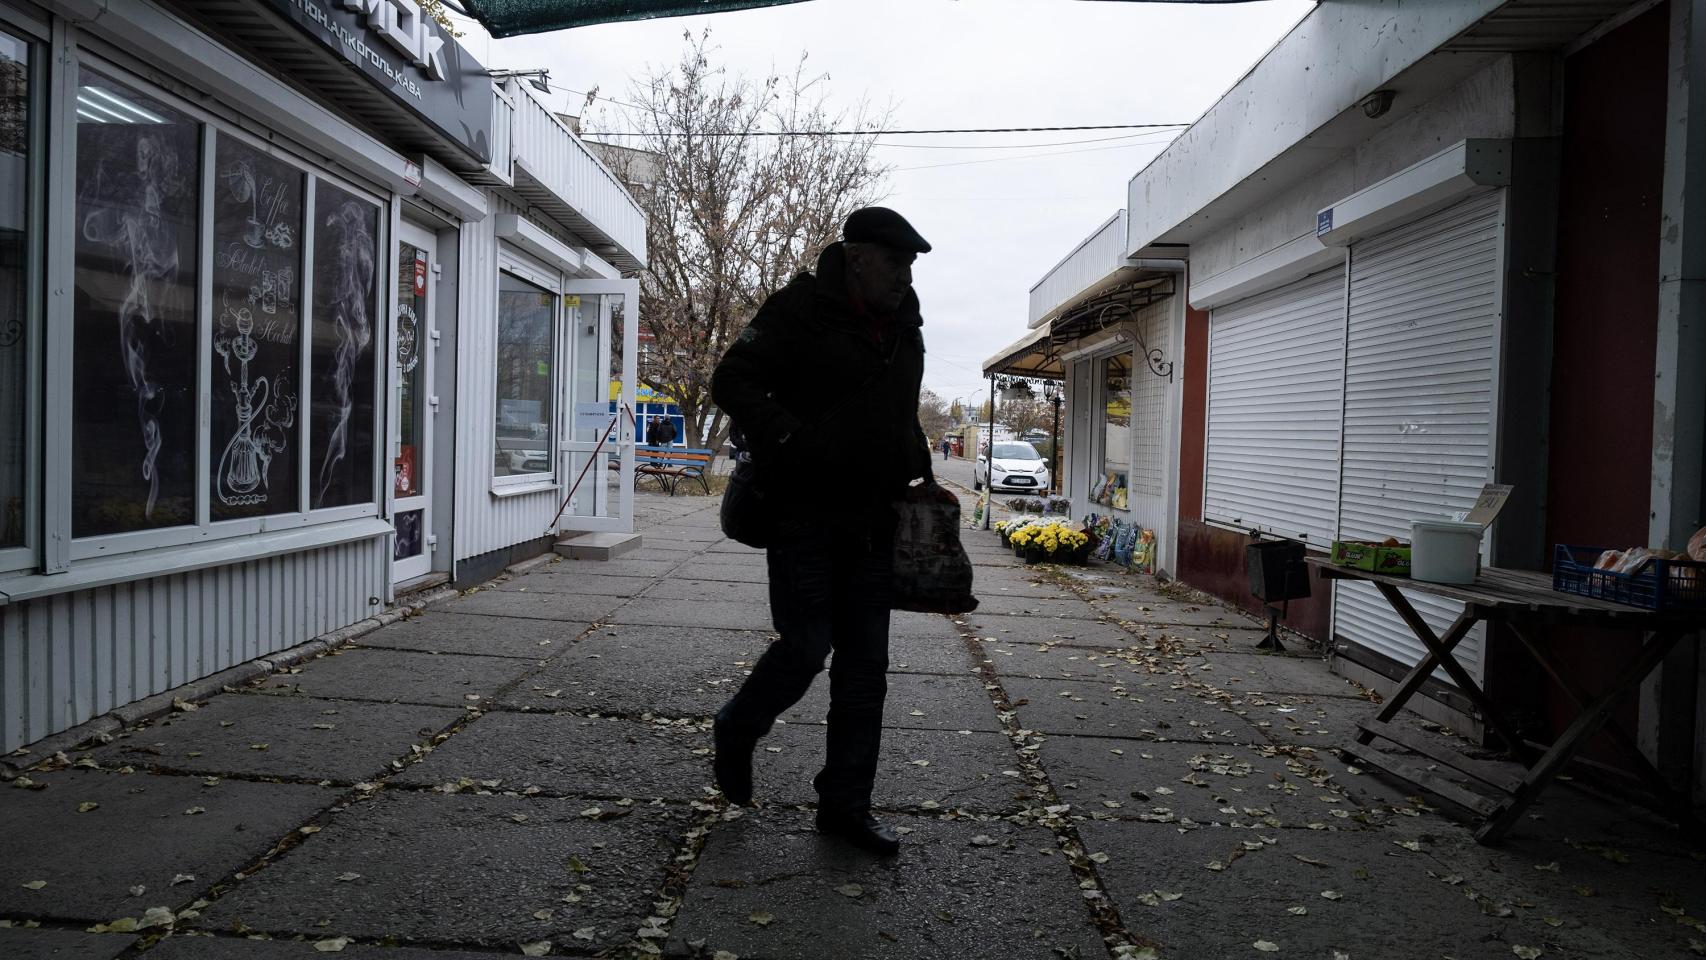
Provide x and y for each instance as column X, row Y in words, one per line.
column 830, row 593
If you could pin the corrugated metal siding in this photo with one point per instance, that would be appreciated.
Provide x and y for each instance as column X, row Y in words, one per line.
column 1100, row 254
column 483, row 522
column 1276, row 371
column 1147, row 479
column 68, row 658
column 569, row 170
column 1424, row 314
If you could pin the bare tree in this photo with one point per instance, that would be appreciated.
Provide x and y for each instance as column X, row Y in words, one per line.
column 933, row 415
column 734, row 210
column 1022, row 415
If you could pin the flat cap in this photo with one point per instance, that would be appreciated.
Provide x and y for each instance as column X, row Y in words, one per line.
column 884, row 226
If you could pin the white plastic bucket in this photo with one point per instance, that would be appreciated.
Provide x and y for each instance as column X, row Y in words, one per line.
column 1444, row 551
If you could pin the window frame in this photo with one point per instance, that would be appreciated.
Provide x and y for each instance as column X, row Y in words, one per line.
column 530, row 270
column 38, row 36
column 64, row 551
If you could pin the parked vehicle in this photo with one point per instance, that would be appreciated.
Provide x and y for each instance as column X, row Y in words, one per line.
column 1017, row 466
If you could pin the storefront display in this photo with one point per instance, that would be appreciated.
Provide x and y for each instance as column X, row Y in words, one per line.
column 134, row 409
column 15, row 211
column 526, row 326
column 1111, row 485
column 346, row 231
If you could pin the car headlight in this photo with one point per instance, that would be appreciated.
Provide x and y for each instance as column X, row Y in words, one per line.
column 1000, row 469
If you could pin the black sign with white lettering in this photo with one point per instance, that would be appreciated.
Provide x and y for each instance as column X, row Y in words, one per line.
column 407, row 54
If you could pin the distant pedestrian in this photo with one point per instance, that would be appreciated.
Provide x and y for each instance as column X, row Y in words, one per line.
column 946, row 446
column 664, row 431
column 852, row 330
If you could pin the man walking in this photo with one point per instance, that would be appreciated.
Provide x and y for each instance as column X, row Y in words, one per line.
column 850, row 333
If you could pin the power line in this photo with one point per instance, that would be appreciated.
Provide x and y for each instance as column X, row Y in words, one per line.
column 1027, row 156
column 1007, row 146
column 896, row 133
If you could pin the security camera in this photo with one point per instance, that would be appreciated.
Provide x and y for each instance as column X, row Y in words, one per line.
column 1376, row 104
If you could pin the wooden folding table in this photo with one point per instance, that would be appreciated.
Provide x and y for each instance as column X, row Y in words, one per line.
column 1523, row 602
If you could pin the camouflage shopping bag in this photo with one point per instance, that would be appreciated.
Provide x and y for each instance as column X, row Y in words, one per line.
column 932, row 573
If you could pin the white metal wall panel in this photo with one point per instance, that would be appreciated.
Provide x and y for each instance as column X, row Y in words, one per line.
column 573, row 174
column 1276, row 370
column 1419, row 388
column 1147, row 479
column 67, row 658
column 1100, row 254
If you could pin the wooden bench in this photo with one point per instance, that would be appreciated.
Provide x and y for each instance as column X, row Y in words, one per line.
column 671, row 465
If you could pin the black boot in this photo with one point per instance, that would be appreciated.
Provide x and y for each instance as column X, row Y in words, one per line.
column 732, row 764
column 861, row 830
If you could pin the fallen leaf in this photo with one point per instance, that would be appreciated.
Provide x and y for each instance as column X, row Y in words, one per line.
column 1332, row 895
column 35, row 884
column 761, row 918
column 1297, row 911
column 1266, row 946
column 157, row 917
column 1168, row 897
column 984, row 840
column 542, row 914
column 334, row 945
column 347, row 877
column 1527, row 953
column 194, row 811
column 536, row 949
column 1099, row 857
column 121, row 925
column 1548, row 867
column 850, row 890
column 182, row 878
column 87, row 805
column 1415, row 845
column 724, row 955
column 138, row 890
column 586, row 933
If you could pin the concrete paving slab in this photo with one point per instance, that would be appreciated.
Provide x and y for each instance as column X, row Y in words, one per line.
column 665, row 554
column 926, row 654
column 721, row 614
column 1319, row 722
column 19, row 943
column 744, row 557
column 1236, row 640
column 624, row 567
column 204, row 947
column 1059, row 661
column 1057, row 606
column 943, row 896
column 1143, row 710
column 903, row 623
column 296, row 737
column 1176, row 613
column 1041, row 630
column 666, row 541
column 941, row 702
column 731, row 546
column 634, row 670
column 1391, row 902
column 437, row 632
column 728, row 573
column 916, row 767
column 399, row 676
column 591, row 584
column 464, row 869
column 1224, row 784
column 571, row 756
column 679, row 589
column 996, row 587
column 145, row 830
column 1241, row 673
column 535, row 604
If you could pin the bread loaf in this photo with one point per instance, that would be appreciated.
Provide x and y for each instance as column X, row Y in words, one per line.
column 1632, row 560
column 1608, row 559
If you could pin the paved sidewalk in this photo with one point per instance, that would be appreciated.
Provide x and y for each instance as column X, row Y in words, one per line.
column 1090, row 766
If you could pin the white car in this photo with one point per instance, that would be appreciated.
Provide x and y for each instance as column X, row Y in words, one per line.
column 1018, row 466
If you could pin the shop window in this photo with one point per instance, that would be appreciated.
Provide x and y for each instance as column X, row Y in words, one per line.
column 256, row 343
column 16, row 158
column 134, row 386
column 346, row 241
column 1110, row 487
column 527, row 316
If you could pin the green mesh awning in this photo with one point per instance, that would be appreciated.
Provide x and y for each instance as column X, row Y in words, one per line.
column 508, row 18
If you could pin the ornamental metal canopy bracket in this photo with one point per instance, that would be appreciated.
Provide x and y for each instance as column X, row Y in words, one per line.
column 1152, row 356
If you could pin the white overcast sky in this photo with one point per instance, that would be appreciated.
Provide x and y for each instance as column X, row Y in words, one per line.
column 998, row 219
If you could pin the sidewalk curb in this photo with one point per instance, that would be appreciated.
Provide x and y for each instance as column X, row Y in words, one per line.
column 159, row 704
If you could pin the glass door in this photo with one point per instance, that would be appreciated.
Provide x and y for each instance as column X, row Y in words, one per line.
column 413, row 406
column 599, row 444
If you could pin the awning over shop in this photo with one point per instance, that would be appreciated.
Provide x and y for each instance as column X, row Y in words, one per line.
column 1032, row 355
column 508, row 18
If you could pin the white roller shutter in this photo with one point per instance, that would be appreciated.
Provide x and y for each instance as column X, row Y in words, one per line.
column 1419, row 361
column 1275, row 375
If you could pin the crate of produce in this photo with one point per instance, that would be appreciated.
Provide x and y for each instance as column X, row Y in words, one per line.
column 1656, row 584
column 1373, row 557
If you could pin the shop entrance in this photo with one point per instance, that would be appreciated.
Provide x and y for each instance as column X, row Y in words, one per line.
column 413, row 405
column 603, row 316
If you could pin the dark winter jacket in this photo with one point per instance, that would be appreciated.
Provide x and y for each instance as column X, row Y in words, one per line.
column 807, row 351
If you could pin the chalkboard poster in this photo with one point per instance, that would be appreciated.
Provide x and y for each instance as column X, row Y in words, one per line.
column 257, row 256
column 134, row 314
column 346, row 254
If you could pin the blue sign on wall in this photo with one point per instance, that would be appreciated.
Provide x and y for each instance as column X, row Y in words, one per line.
column 1324, row 221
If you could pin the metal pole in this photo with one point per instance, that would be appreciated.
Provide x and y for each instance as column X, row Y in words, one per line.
column 989, row 459
column 1054, row 483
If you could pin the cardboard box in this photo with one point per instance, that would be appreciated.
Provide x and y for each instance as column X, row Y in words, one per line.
column 1373, row 557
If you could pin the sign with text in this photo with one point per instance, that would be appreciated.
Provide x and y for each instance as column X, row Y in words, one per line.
column 405, row 52
column 592, row 416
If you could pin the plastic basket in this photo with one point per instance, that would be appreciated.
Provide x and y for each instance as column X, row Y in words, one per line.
column 1657, row 585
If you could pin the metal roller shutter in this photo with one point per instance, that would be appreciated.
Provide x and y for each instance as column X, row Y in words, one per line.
column 1419, row 362
column 1276, row 368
